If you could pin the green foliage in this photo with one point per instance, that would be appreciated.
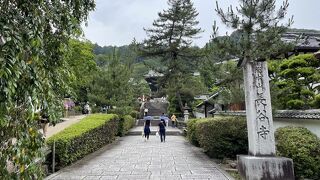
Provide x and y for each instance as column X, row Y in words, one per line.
column 121, row 111
column 84, row 137
column 125, row 51
column 33, row 75
column 258, row 26
column 129, row 122
column 191, row 131
column 295, row 81
column 222, row 137
column 139, row 70
column 316, row 102
column 295, row 104
column 190, row 87
column 170, row 40
column 80, row 58
column 226, row 77
column 139, row 87
column 303, row 147
column 126, row 123
column 174, row 107
column 112, row 84
column 135, row 114
column 116, row 83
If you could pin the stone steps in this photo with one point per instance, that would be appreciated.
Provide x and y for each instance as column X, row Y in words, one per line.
column 156, row 108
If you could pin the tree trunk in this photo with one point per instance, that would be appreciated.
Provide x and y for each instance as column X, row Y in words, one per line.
column 180, row 101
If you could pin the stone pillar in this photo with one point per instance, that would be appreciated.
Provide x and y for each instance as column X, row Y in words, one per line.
column 258, row 109
column 261, row 162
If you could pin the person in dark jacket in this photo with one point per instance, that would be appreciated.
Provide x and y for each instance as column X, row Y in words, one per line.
column 146, row 126
column 162, row 130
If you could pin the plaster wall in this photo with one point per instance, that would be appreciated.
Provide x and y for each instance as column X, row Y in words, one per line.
column 312, row 125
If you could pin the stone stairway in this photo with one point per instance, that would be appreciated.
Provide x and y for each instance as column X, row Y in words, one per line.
column 156, row 107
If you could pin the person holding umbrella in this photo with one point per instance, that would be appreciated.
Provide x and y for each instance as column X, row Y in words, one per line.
column 146, row 126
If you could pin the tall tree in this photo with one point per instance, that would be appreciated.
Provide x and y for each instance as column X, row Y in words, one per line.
column 80, row 59
column 258, row 21
column 33, row 75
column 259, row 29
column 112, row 85
column 171, row 39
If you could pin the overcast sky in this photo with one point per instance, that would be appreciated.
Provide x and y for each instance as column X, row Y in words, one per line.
column 117, row 22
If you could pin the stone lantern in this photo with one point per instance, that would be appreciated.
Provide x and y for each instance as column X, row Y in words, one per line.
column 186, row 112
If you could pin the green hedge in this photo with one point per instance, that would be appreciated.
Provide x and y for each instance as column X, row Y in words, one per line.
column 126, row 123
column 191, row 131
column 303, row 147
column 84, row 137
column 222, row 137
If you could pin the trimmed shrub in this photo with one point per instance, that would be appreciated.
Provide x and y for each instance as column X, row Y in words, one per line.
column 126, row 123
column 84, row 137
column 296, row 104
column 222, row 137
column 303, row 147
column 191, row 131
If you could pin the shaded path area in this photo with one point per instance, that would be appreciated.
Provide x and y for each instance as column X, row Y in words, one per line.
column 132, row 158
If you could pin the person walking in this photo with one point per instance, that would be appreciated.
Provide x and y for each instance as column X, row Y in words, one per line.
column 165, row 119
column 146, row 127
column 162, row 131
column 174, row 120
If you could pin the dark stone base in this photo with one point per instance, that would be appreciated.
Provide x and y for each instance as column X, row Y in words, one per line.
column 265, row 168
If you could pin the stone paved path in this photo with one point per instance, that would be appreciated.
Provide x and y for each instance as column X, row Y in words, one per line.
column 132, row 158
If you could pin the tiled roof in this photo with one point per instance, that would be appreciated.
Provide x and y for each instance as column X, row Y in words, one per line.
column 303, row 40
column 288, row 114
column 299, row 114
column 232, row 113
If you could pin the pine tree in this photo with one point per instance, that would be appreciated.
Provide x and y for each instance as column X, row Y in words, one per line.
column 170, row 38
column 296, row 81
column 258, row 21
